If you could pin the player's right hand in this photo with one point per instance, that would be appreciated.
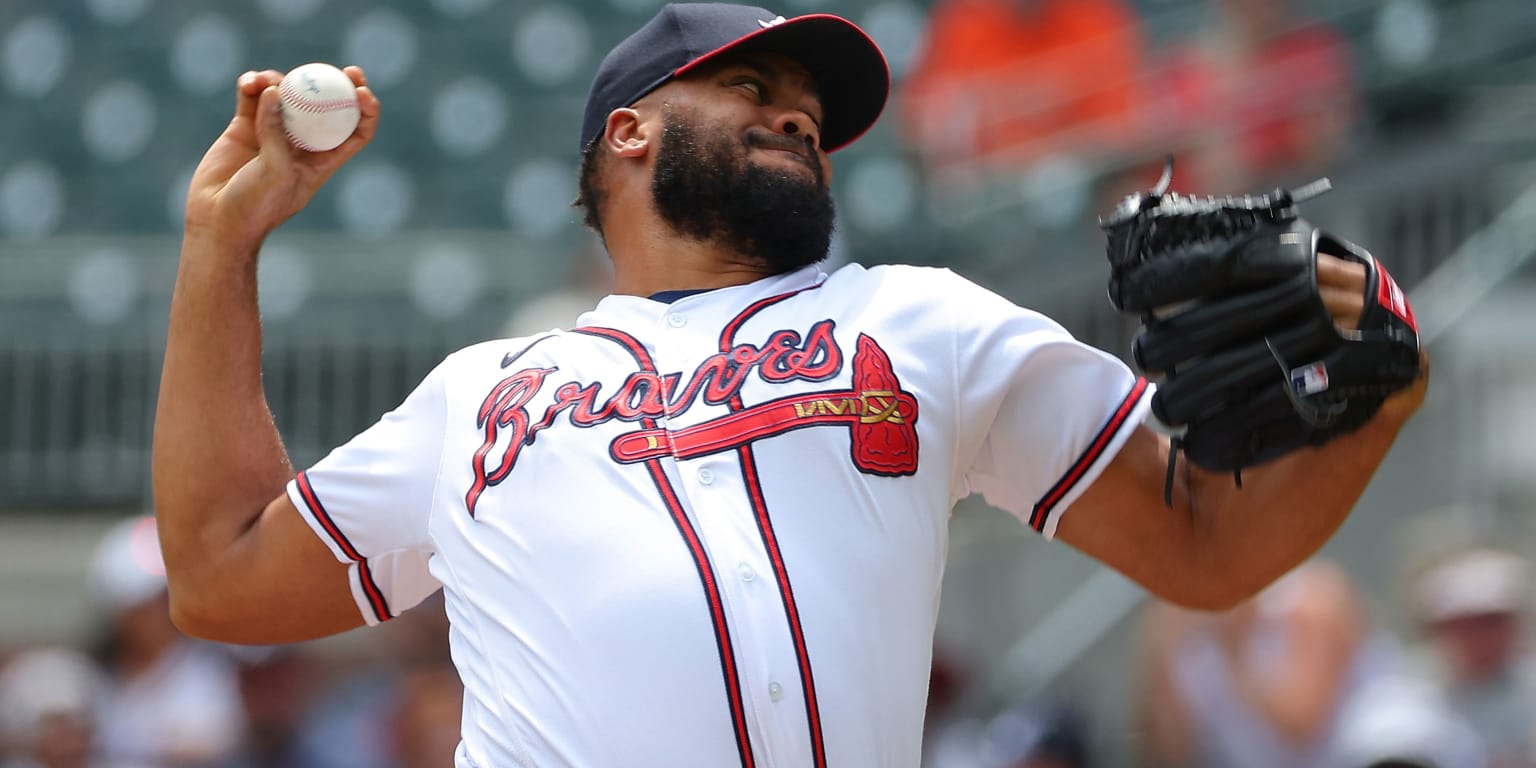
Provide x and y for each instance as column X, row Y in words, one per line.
column 253, row 179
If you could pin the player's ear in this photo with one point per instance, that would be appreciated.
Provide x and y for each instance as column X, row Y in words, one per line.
column 625, row 133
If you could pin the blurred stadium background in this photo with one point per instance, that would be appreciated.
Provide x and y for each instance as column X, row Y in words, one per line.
column 458, row 216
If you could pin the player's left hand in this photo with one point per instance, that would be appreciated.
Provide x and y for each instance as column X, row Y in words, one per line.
column 1268, row 333
column 1342, row 284
column 253, row 179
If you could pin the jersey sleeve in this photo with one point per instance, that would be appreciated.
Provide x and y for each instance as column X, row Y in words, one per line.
column 370, row 501
column 1041, row 413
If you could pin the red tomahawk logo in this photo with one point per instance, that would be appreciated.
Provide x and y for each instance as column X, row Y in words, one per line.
column 881, row 420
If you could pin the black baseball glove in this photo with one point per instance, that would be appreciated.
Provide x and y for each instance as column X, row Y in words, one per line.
column 1233, row 323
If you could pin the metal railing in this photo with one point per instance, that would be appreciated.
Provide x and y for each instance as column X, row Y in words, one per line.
column 78, row 388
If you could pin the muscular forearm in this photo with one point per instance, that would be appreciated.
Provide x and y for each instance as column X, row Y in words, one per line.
column 218, row 459
column 1287, row 509
column 1218, row 544
column 242, row 564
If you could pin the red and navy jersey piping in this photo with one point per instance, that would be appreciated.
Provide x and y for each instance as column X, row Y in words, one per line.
column 1096, row 447
column 764, row 520
column 371, row 590
column 700, row 555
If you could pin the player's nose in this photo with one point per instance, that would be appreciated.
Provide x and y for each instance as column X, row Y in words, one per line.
column 793, row 122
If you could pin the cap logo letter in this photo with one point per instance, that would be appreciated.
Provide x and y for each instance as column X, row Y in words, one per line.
column 775, row 21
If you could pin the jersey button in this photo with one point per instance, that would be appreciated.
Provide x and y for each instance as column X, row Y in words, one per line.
column 746, row 572
column 775, row 691
column 706, row 477
column 676, row 321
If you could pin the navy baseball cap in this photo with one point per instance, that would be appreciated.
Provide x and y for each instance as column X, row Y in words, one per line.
column 848, row 67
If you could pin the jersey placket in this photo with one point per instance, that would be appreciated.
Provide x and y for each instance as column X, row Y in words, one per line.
column 717, row 502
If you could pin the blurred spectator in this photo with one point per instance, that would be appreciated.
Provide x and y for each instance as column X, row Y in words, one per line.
column 951, row 735
column 391, row 710
column 276, row 685
column 1010, row 82
column 348, row 726
column 1399, row 722
column 45, row 709
column 1472, row 606
column 1263, row 96
column 1037, row 734
column 169, row 701
column 1031, row 733
column 426, row 717
column 1262, row 685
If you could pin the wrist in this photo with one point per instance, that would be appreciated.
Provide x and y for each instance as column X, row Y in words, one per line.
column 1402, row 404
column 233, row 222
column 203, row 241
column 228, row 234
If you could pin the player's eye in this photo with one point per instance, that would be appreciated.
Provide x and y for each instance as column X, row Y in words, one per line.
column 752, row 86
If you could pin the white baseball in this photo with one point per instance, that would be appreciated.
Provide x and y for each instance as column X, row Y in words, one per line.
column 319, row 106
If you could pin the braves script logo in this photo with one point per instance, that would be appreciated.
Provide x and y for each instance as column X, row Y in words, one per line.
column 880, row 416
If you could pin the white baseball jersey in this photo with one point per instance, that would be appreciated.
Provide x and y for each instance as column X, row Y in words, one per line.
column 711, row 532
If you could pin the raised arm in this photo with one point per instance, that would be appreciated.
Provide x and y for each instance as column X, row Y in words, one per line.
column 1219, row 543
column 241, row 564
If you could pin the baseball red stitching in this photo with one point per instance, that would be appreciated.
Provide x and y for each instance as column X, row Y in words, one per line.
column 303, row 104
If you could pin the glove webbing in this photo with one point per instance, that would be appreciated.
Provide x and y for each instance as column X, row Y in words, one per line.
column 1177, row 219
column 1134, row 225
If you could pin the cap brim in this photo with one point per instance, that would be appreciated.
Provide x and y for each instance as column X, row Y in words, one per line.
column 849, row 69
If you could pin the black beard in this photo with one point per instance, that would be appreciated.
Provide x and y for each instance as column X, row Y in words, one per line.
column 707, row 190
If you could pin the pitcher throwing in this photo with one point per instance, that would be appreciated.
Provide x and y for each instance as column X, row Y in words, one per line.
column 705, row 526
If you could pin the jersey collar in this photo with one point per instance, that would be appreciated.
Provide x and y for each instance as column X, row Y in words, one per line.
column 640, row 311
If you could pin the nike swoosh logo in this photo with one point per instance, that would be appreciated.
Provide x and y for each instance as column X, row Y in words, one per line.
column 512, row 357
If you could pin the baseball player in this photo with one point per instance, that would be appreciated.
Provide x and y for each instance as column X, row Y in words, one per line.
column 706, row 526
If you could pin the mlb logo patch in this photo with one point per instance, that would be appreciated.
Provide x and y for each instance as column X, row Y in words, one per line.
column 1309, row 379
